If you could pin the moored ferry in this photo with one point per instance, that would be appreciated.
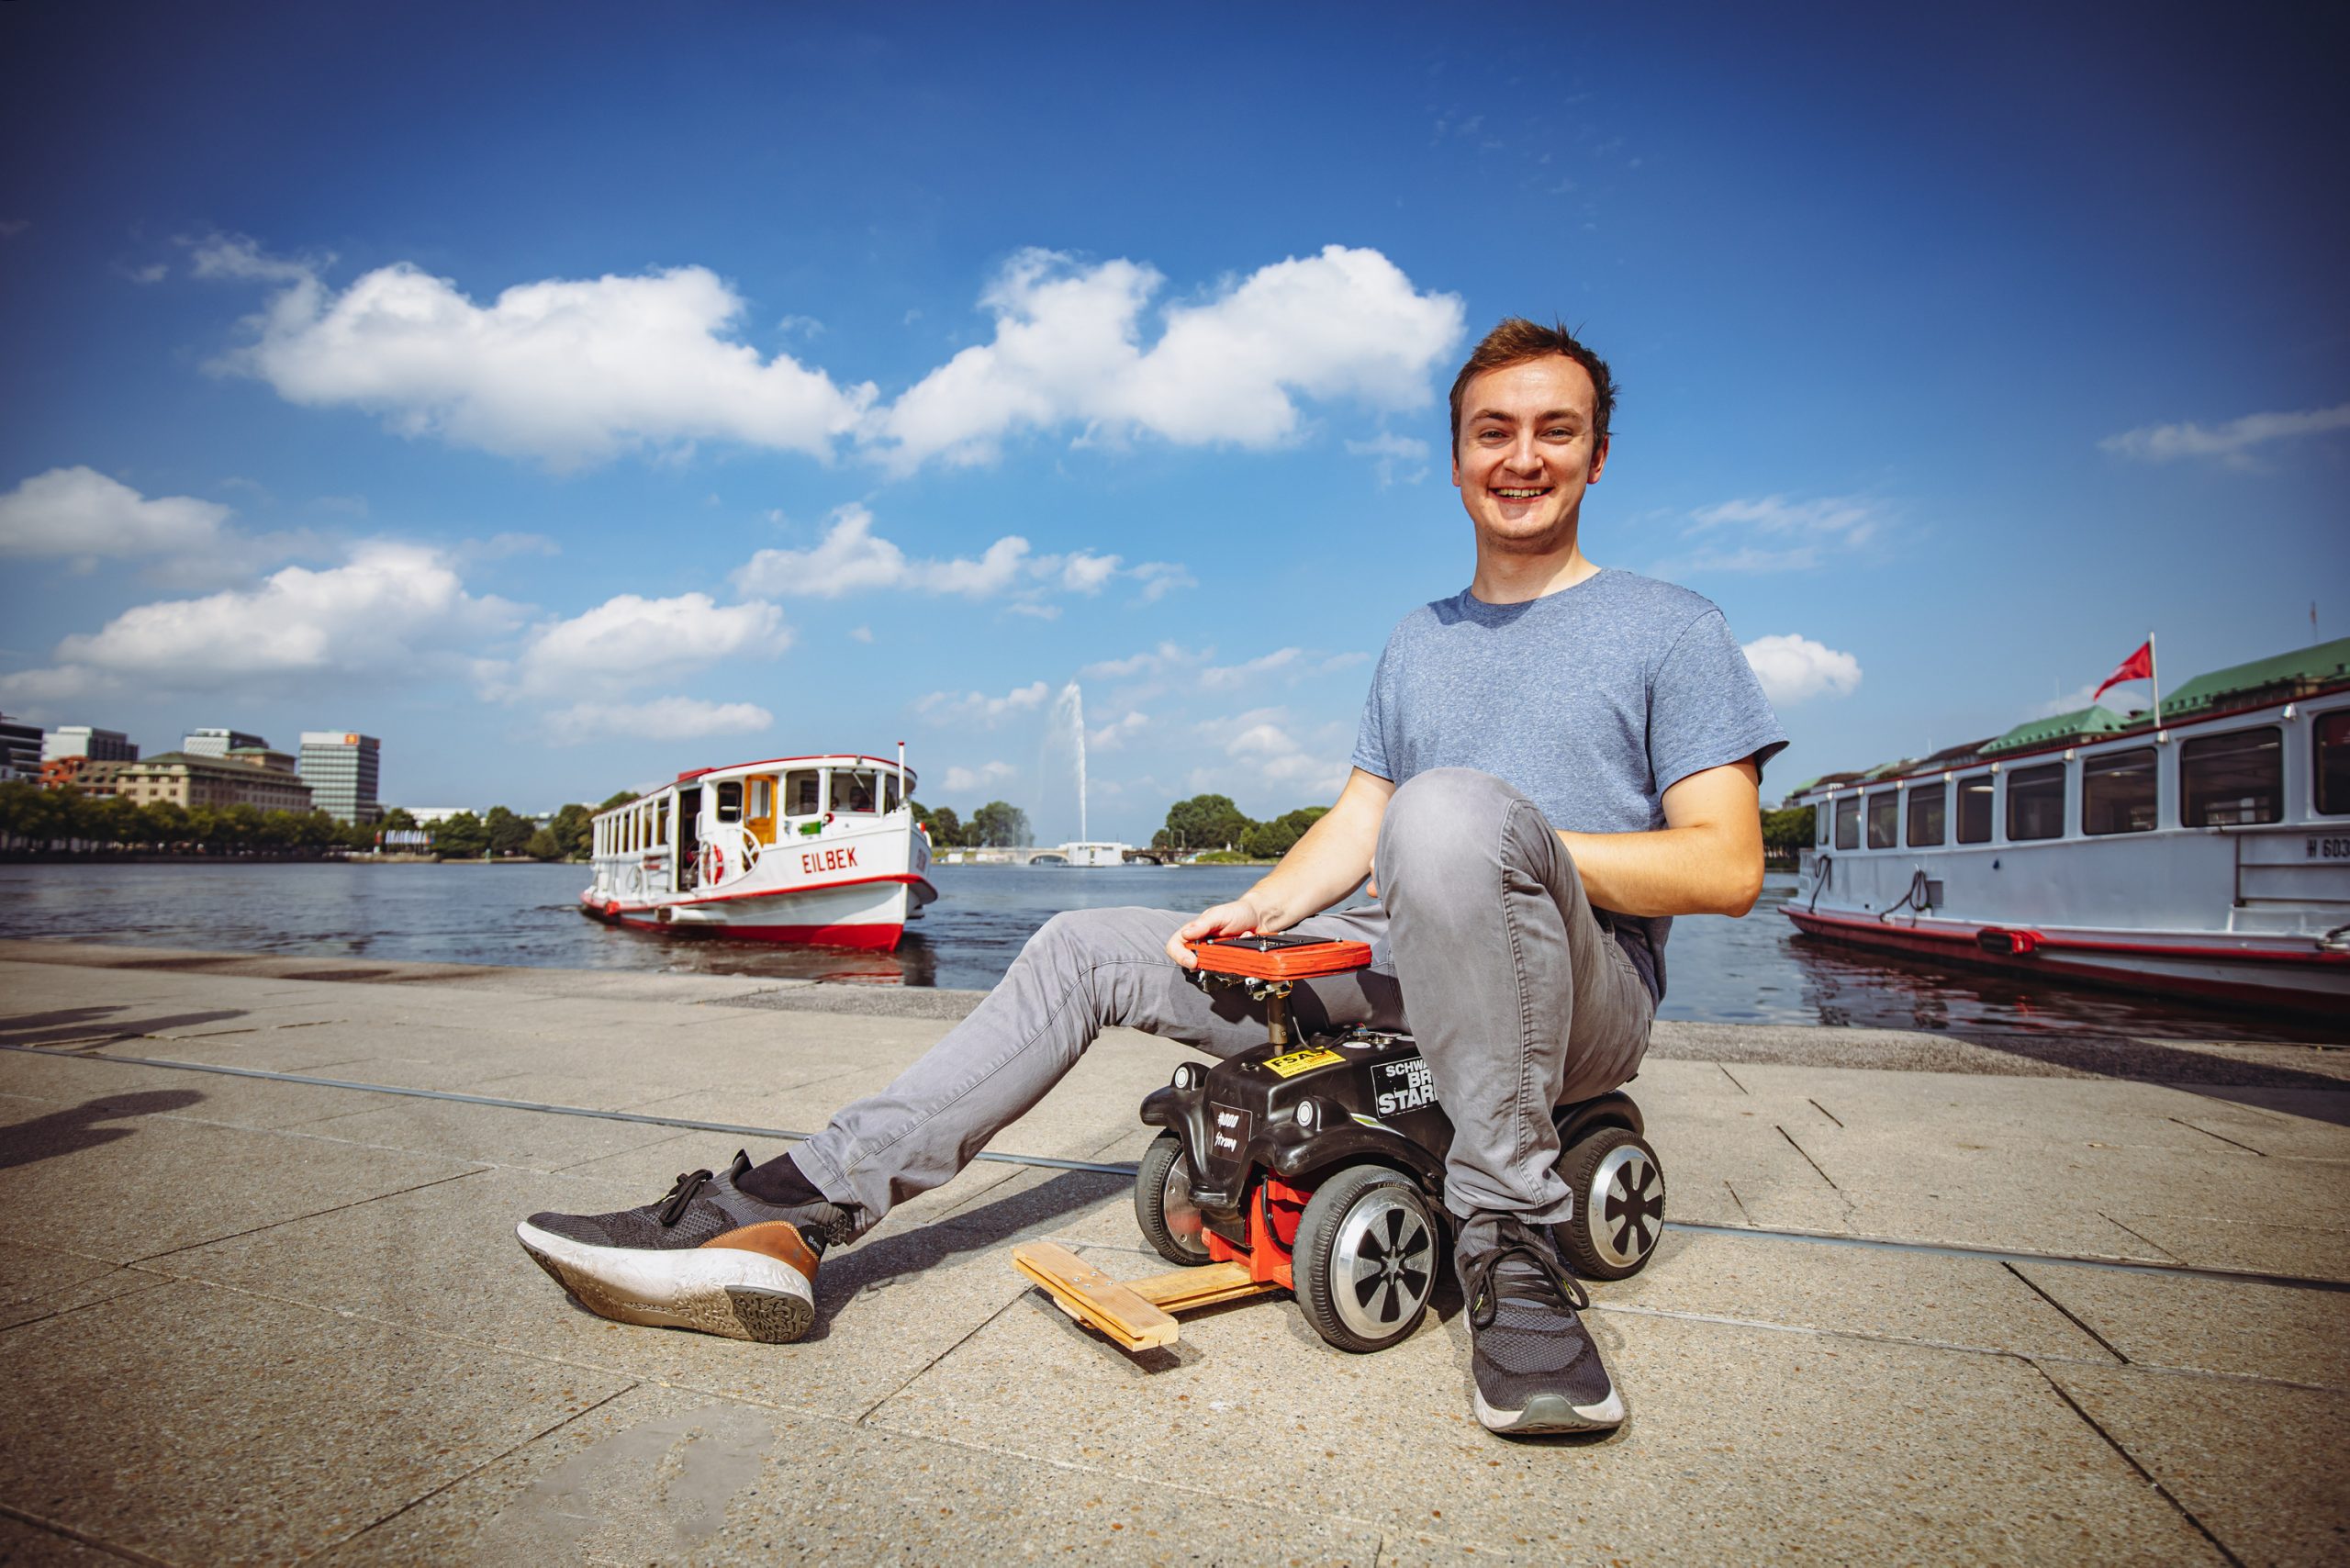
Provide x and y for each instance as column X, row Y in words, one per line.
column 821, row 850
column 2201, row 849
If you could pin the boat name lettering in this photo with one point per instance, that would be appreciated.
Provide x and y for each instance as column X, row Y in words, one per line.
column 829, row 860
column 2330, row 849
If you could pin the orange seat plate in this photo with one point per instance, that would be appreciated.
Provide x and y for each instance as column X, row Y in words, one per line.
column 1241, row 955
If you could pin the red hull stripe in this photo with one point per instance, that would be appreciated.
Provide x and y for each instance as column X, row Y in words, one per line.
column 865, row 938
column 1966, row 938
column 906, row 876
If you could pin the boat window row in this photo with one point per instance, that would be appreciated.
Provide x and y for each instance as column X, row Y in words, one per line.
column 2234, row 779
column 635, row 829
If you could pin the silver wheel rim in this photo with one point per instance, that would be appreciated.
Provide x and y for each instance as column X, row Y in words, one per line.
column 1625, row 1206
column 1175, row 1207
column 1383, row 1264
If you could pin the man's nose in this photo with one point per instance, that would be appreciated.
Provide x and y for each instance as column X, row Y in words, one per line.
column 1525, row 457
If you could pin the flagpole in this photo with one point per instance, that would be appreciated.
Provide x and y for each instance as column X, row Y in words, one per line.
column 2154, row 673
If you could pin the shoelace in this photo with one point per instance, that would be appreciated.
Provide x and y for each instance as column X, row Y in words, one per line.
column 1552, row 1284
column 673, row 1207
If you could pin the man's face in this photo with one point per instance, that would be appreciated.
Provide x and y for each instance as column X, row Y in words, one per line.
column 1525, row 453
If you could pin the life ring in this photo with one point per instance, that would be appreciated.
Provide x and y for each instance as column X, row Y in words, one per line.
column 713, row 864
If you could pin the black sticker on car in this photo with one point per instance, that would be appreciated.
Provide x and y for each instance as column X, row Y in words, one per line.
column 1228, row 1132
column 1399, row 1086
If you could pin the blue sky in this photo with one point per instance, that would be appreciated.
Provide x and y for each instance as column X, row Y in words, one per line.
column 573, row 395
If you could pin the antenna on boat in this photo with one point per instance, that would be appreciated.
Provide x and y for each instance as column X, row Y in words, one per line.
column 904, row 793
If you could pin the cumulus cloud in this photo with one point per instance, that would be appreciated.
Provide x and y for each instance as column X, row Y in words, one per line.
column 1113, row 735
column 1157, row 661
column 388, row 610
column 963, row 780
column 1773, row 534
column 81, row 513
column 852, row 558
column 627, row 641
column 567, row 370
column 1159, row 579
column 2232, row 443
column 1792, row 668
column 1067, row 350
column 1263, row 741
column 1394, row 457
column 978, row 707
column 661, row 719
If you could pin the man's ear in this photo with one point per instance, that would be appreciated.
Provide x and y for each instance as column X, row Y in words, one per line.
column 1456, row 464
column 1598, row 461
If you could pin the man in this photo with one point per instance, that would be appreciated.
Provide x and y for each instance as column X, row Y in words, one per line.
column 1551, row 765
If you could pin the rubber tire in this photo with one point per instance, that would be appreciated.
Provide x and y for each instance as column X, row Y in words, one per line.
column 1577, row 1238
column 1318, row 1236
column 1150, row 1213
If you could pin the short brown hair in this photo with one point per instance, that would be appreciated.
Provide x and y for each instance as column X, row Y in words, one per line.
column 1516, row 340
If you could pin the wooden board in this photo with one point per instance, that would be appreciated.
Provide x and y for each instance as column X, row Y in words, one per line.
column 1093, row 1298
column 1203, row 1286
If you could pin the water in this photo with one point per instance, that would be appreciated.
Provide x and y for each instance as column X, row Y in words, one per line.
column 1755, row 971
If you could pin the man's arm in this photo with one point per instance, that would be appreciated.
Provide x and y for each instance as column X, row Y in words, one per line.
column 1706, row 859
column 1319, row 869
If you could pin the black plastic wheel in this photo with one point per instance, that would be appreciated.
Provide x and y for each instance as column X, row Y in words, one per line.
column 1620, row 1203
column 1366, row 1259
column 1163, row 1203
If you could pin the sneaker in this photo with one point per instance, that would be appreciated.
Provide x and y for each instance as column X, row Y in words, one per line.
column 1536, row 1367
column 706, row 1256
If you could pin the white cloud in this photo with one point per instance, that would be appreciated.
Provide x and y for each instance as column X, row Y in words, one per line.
column 977, row 706
column 1790, row 535
column 567, row 371
column 1165, row 656
column 862, row 633
column 627, row 641
column 1067, row 351
column 1792, row 668
column 962, row 781
column 661, row 719
column 1393, row 455
column 81, row 513
column 1225, row 677
column 389, row 609
column 852, row 558
column 1159, row 579
column 1113, row 735
column 2230, row 443
column 1261, row 743
column 153, row 272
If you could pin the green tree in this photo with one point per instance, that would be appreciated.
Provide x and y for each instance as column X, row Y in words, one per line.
column 1000, row 825
column 508, row 833
column 1788, row 832
column 1271, row 840
column 1204, row 822
column 574, row 832
column 397, row 820
column 462, row 837
column 543, row 845
column 622, row 799
column 945, row 827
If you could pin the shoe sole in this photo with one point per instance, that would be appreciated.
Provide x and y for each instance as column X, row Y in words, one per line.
column 1553, row 1413
column 717, row 1289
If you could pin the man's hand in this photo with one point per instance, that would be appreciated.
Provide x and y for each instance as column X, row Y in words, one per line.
column 1239, row 918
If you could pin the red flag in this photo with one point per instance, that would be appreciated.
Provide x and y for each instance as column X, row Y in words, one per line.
column 2139, row 666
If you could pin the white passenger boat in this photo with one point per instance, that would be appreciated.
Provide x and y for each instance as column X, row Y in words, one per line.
column 1093, row 854
column 2204, row 850
column 823, row 850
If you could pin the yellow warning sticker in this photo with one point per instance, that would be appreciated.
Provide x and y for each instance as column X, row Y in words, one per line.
column 1295, row 1062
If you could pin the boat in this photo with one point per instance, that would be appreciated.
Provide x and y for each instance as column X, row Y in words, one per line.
column 2201, row 849
column 816, row 850
column 1093, row 854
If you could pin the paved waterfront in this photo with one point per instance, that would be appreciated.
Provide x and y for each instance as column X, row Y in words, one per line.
column 252, row 1319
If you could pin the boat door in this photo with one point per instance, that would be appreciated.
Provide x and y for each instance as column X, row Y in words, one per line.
column 687, row 875
column 759, row 807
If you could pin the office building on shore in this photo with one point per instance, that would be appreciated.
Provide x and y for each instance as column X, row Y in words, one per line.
column 82, row 740
column 342, row 767
column 185, row 779
column 219, row 743
column 20, row 746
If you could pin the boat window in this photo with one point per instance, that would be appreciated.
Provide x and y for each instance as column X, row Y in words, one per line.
column 854, row 790
column 891, row 797
column 1848, row 823
column 1885, row 814
column 1926, row 805
column 801, row 797
column 2118, row 792
column 1821, row 818
column 729, row 801
column 661, row 825
column 1975, row 809
column 762, row 797
column 2036, row 801
column 2333, row 792
column 2231, row 779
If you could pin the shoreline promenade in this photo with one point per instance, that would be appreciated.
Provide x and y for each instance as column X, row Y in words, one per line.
column 2004, row 1298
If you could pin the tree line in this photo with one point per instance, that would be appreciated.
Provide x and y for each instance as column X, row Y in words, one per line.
column 1214, row 823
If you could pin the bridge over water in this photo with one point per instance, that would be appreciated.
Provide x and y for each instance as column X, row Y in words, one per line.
column 1049, row 853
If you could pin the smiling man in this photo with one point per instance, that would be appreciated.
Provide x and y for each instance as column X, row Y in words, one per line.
column 1552, row 764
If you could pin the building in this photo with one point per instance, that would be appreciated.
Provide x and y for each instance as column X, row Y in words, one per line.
column 20, row 746
column 340, row 770
column 217, row 742
column 81, row 740
column 189, row 780
column 425, row 816
column 261, row 757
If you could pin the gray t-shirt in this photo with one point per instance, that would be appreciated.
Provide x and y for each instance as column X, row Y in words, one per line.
column 1592, row 701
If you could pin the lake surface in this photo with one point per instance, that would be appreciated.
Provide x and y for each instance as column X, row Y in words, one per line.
column 1755, row 970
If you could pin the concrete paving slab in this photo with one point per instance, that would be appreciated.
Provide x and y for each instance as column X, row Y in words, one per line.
column 2300, row 1251
column 27, row 1546
column 2220, row 1325
column 72, row 1078
column 211, row 1425
column 2258, row 1466
column 1966, row 1219
column 1744, row 1444
column 172, row 1182
column 485, row 1134
column 662, row 1475
column 40, row 1282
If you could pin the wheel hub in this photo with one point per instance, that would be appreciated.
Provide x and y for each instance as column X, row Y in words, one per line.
column 1383, row 1264
column 1626, row 1205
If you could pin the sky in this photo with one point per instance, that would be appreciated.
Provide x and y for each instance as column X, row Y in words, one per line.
column 570, row 396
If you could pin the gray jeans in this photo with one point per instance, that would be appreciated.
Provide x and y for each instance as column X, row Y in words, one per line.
column 1518, row 998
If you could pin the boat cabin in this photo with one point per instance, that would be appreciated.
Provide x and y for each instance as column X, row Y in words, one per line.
column 745, row 808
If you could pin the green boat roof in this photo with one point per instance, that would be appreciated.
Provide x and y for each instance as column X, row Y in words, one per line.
column 2281, row 676
column 2081, row 723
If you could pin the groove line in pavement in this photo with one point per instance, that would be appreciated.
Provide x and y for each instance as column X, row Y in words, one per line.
column 1047, row 1162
